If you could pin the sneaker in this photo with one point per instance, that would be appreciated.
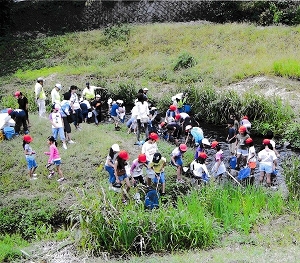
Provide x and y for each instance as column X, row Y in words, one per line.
column 71, row 142
column 65, row 146
column 61, row 179
column 117, row 185
column 124, row 201
column 34, row 175
column 50, row 175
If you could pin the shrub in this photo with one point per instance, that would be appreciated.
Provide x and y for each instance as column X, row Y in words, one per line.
column 184, row 61
column 291, row 134
column 117, row 33
column 291, row 168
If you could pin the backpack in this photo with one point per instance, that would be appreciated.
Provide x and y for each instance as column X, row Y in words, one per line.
column 152, row 200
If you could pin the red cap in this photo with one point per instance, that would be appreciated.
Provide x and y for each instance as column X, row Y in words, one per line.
column 172, row 107
column 242, row 129
column 249, row 140
column 9, row 111
column 27, row 138
column 17, row 94
column 153, row 136
column 245, row 117
column 142, row 158
column 266, row 141
column 183, row 147
column 214, row 144
column 202, row 155
column 177, row 117
column 124, row 155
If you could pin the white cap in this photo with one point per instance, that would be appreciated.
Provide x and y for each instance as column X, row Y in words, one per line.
column 205, row 141
column 119, row 101
column 57, row 85
column 115, row 147
column 145, row 89
column 98, row 96
column 153, row 108
column 40, row 79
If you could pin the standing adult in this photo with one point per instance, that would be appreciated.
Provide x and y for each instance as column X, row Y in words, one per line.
column 96, row 105
column 23, row 104
column 75, row 106
column 55, row 96
column 40, row 97
column 89, row 91
column 142, row 116
column 66, row 114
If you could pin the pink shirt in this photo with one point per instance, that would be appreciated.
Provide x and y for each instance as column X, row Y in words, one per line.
column 53, row 154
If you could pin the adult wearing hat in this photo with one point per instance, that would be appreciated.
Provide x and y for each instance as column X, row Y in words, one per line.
column 55, row 96
column 19, row 116
column 23, row 104
column 96, row 105
column 40, row 96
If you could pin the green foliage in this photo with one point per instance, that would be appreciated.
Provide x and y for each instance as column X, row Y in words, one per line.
column 125, row 91
column 184, row 61
column 9, row 247
column 197, row 221
column 28, row 216
column 117, row 33
column 287, row 68
column 291, row 166
column 291, row 134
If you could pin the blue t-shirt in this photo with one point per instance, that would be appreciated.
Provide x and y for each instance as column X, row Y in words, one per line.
column 113, row 111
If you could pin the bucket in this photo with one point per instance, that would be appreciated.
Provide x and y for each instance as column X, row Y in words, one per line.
column 9, row 132
column 187, row 108
column 233, row 162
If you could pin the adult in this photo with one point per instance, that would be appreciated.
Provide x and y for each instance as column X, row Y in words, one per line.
column 96, row 105
column 66, row 113
column 89, row 91
column 231, row 136
column 75, row 106
column 19, row 116
column 40, row 97
column 267, row 161
column 23, row 104
column 145, row 91
column 55, row 96
column 142, row 116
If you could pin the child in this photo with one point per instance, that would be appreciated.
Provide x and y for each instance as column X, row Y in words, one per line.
column 219, row 166
column 268, row 161
column 251, row 160
column 121, row 111
column 57, row 125
column 231, row 137
column 157, row 165
column 30, row 157
column 54, row 158
column 120, row 172
column 136, row 169
column 176, row 160
column 241, row 148
column 201, row 148
column 199, row 169
column 270, row 136
column 109, row 164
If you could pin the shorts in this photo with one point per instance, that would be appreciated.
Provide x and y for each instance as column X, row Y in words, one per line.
column 162, row 179
column 150, row 173
column 265, row 168
column 60, row 132
column 31, row 163
column 57, row 162
column 139, row 179
column 122, row 177
column 178, row 161
column 242, row 151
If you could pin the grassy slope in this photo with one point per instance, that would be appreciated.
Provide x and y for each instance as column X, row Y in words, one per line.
column 224, row 53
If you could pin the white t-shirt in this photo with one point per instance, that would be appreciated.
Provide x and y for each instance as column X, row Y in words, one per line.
column 198, row 169
column 142, row 109
column 56, row 118
column 55, row 96
column 251, row 152
column 149, row 149
column 267, row 156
